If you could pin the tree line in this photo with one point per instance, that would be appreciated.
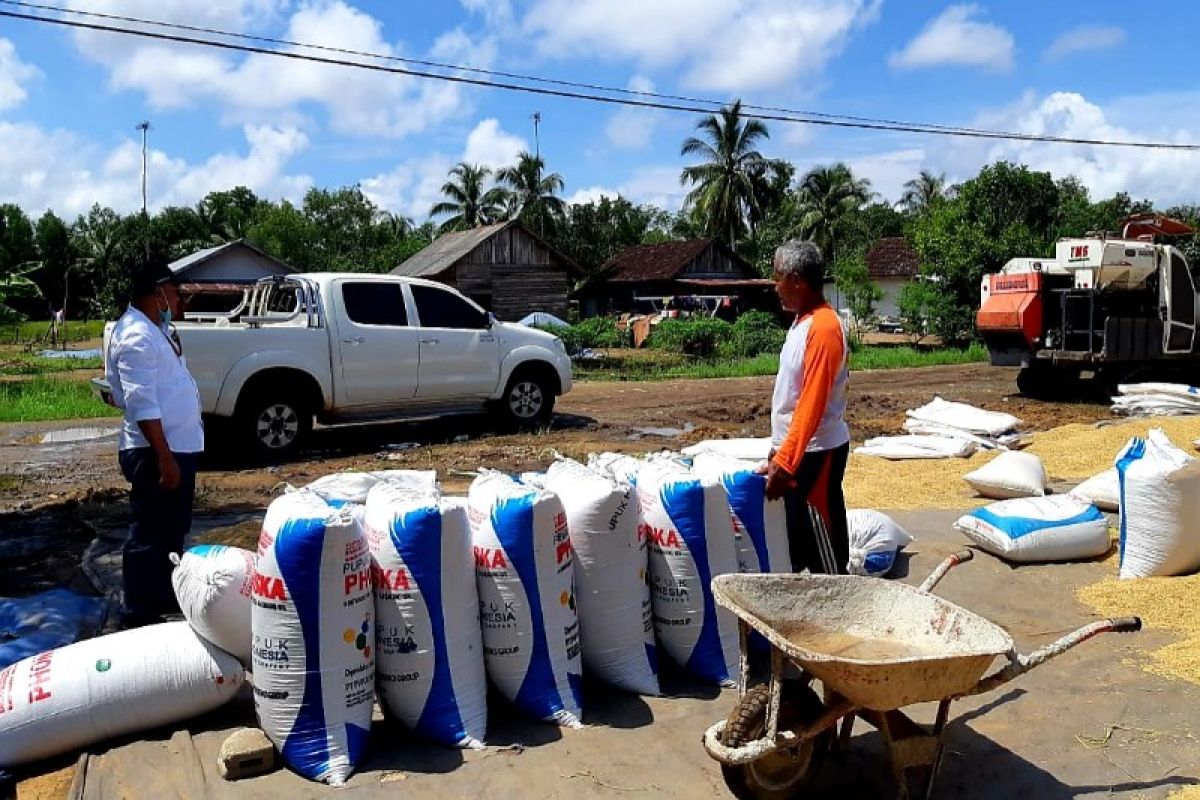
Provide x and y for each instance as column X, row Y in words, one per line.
column 735, row 193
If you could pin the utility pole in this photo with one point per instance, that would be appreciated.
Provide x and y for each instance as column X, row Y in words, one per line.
column 144, row 127
column 537, row 147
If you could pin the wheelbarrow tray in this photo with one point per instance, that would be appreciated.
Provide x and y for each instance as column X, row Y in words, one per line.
column 879, row 644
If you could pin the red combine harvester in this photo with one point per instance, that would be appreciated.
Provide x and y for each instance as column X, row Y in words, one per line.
column 1119, row 308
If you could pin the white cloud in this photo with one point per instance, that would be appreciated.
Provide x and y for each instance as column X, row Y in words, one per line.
column 632, row 128
column 59, row 169
column 260, row 87
column 1164, row 176
column 14, row 75
column 958, row 37
column 492, row 146
column 1084, row 39
column 591, row 194
column 725, row 45
column 497, row 13
column 413, row 186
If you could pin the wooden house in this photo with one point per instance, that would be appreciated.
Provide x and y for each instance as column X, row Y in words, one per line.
column 892, row 264
column 701, row 272
column 505, row 267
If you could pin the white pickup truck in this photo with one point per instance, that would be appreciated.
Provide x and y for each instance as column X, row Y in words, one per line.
column 350, row 347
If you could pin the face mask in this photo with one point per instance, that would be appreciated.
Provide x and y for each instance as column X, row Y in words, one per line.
column 164, row 310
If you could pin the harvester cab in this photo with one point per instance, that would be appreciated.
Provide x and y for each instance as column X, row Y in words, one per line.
column 1109, row 305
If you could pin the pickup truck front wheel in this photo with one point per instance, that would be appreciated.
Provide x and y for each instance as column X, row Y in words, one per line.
column 528, row 400
column 273, row 426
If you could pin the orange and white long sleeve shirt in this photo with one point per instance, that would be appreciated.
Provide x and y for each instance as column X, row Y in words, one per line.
column 808, row 407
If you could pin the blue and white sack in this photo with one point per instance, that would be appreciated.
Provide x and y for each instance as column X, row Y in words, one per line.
column 212, row 584
column 615, row 619
column 525, row 578
column 313, row 623
column 875, row 541
column 685, row 519
column 759, row 524
column 1055, row 528
column 428, row 647
column 1160, row 508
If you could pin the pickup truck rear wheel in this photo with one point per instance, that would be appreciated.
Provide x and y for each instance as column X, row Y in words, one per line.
column 274, row 426
column 528, row 400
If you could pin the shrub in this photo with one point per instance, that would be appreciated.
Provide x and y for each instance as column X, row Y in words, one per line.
column 755, row 333
column 698, row 337
column 594, row 332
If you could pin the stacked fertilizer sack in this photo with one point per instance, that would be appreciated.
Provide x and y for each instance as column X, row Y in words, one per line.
column 1156, row 399
column 941, row 429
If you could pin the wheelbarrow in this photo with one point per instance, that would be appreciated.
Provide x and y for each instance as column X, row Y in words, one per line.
column 876, row 646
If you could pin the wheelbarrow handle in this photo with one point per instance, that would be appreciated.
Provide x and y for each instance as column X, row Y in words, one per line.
column 1019, row 664
column 952, row 561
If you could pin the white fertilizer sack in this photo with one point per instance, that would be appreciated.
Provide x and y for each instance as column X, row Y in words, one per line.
column 110, row 686
column 875, row 539
column 313, row 620
column 760, row 525
column 612, row 588
column 428, row 646
column 965, row 417
column 527, row 608
column 1103, row 490
column 913, row 446
column 755, row 450
column 1010, row 474
column 686, row 521
column 1160, row 508
column 1054, row 528
column 212, row 584
column 352, row 487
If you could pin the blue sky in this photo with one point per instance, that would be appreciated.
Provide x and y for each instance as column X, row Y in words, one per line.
column 69, row 100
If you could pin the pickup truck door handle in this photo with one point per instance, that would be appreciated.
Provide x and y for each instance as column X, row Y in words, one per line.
column 354, row 340
column 430, row 341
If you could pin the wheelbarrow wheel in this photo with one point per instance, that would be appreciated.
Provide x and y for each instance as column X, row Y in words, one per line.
column 786, row 772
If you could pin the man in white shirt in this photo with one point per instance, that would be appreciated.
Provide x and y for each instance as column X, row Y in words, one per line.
column 161, row 438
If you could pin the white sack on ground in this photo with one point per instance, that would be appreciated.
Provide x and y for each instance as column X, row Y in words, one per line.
column 1054, row 528
column 213, row 584
column 619, row 466
column 687, row 523
column 760, row 525
column 875, row 539
column 428, row 645
column 903, row 448
column 1102, row 490
column 1008, row 475
column 1160, row 508
column 313, row 620
column 1002, row 442
column 352, row 487
column 613, row 593
column 525, row 577
column 110, row 686
column 742, row 449
column 965, row 417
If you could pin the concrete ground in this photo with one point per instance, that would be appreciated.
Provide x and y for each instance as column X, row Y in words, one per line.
column 1089, row 724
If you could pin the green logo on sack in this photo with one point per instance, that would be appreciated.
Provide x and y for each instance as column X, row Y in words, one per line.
column 103, row 665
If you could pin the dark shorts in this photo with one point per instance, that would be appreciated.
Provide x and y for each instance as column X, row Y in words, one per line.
column 816, row 513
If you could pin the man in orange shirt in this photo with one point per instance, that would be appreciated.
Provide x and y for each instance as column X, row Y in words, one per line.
column 809, row 436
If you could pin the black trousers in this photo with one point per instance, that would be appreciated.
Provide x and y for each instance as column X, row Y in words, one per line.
column 161, row 519
column 816, row 513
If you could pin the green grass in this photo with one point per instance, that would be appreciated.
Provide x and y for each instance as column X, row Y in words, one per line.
column 44, row 398
column 26, row 364
column 17, row 332
column 652, row 368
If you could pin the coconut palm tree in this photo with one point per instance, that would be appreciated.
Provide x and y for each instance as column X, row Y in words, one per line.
column 533, row 194
column 725, row 185
column 467, row 202
column 824, row 198
column 923, row 192
column 397, row 226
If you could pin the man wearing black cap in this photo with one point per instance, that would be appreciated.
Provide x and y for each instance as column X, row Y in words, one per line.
column 161, row 437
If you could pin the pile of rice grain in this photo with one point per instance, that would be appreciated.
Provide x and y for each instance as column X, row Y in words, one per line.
column 1167, row 604
column 1071, row 453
